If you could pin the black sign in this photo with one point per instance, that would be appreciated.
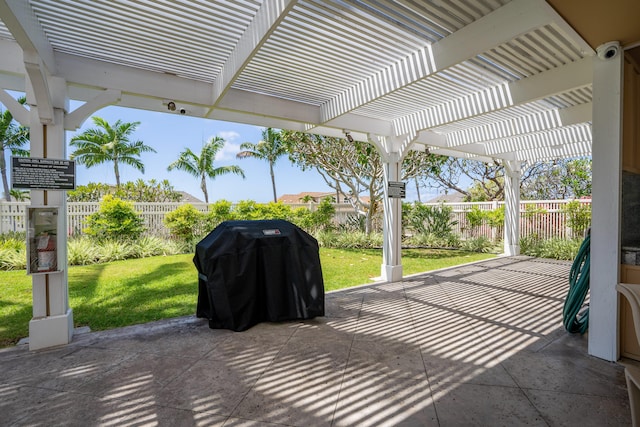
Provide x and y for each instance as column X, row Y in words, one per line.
column 396, row 189
column 42, row 174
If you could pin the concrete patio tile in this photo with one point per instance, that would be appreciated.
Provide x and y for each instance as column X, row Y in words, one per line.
column 390, row 359
column 301, row 385
column 375, row 399
column 138, row 378
column 63, row 371
column 192, row 339
column 324, row 327
column 239, row 422
column 71, row 409
column 209, row 386
column 384, row 329
column 563, row 409
column 342, row 305
column 459, row 404
column 568, row 374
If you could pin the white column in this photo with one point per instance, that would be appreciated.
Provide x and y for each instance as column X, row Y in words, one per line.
column 512, row 208
column 392, row 226
column 52, row 322
column 606, row 187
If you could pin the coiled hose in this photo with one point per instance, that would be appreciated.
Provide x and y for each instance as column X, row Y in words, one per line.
column 578, row 288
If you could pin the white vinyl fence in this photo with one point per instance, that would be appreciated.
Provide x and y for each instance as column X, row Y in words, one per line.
column 544, row 218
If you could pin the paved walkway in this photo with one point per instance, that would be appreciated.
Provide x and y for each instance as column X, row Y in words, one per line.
column 480, row 344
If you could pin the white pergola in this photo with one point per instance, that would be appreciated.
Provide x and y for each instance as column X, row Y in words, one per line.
column 491, row 80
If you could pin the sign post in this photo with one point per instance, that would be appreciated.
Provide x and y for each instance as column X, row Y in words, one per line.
column 396, row 189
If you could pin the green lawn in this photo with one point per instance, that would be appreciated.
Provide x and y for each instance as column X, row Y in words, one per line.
column 121, row 293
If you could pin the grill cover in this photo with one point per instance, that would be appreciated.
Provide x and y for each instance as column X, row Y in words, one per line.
column 255, row 271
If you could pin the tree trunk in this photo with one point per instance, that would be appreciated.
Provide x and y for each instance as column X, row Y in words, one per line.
column 203, row 186
column 5, row 183
column 117, row 172
column 273, row 182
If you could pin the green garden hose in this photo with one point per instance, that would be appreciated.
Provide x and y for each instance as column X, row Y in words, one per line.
column 573, row 320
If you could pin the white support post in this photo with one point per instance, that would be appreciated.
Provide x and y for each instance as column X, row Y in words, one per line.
column 392, row 226
column 512, row 208
column 605, row 208
column 52, row 322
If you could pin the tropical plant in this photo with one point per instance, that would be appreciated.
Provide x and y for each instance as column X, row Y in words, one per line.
column 20, row 195
column 201, row 166
column 184, row 222
column 578, row 217
column 270, row 148
column 426, row 219
column 109, row 143
column 116, row 219
column 12, row 138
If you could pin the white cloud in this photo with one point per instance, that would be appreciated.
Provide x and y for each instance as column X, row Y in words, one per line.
column 229, row 135
column 228, row 152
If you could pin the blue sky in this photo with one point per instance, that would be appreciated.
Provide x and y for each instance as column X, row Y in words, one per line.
column 169, row 134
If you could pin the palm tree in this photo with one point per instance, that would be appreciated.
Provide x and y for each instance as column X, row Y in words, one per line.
column 13, row 138
column 109, row 143
column 270, row 148
column 202, row 166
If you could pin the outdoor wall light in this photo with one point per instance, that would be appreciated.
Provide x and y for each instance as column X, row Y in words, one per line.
column 348, row 135
column 171, row 106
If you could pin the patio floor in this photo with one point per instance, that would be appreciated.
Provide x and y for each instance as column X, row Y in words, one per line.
column 480, row 344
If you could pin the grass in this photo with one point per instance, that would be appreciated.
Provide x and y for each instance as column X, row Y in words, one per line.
column 121, row 293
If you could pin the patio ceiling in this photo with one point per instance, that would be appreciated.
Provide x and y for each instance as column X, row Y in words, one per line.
column 484, row 79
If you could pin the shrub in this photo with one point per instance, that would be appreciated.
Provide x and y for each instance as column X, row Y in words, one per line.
column 555, row 248
column 13, row 259
column 153, row 246
column 430, row 240
column 426, row 219
column 349, row 240
column 322, row 217
column 116, row 219
column 219, row 211
column 578, row 217
column 115, row 250
column 82, row 251
column 475, row 218
column 479, row 244
column 185, row 222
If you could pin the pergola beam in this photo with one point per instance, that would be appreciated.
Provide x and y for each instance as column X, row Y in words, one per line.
column 521, row 125
column 502, row 25
column 558, row 80
column 267, row 19
column 23, row 24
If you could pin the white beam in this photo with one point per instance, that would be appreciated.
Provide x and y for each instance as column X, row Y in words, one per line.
column 548, row 138
column 502, row 25
column 521, row 125
column 266, row 20
column 92, row 75
column 438, row 145
column 23, row 24
column 558, row 80
column 565, row 151
column 19, row 113
column 74, row 120
column 255, row 103
column 39, row 83
column 463, row 155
